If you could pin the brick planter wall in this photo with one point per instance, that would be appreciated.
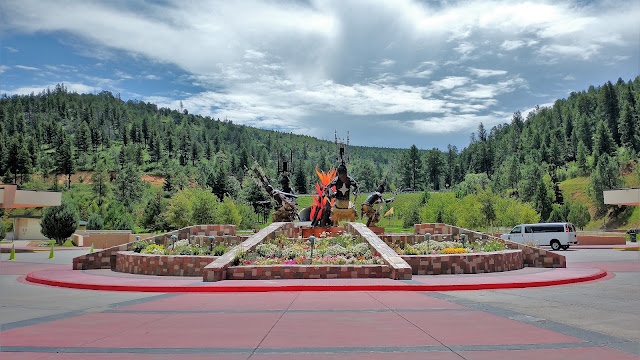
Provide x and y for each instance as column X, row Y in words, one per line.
column 217, row 270
column 471, row 263
column 400, row 270
column 164, row 265
column 266, row 272
column 106, row 259
column 531, row 256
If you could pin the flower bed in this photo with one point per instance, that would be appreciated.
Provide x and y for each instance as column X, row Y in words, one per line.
column 344, row 249
column 180, row 247
column 447, row 247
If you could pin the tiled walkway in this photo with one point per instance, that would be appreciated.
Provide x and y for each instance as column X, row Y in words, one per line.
column 294, row 325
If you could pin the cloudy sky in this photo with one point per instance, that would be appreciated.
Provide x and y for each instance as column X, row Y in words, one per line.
column 393, row 73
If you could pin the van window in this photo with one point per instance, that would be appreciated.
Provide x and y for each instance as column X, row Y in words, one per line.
column 547, row 228
column 516, row 230
column 528, row 229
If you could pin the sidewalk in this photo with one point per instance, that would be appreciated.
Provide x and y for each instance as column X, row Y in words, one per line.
column 106, row 279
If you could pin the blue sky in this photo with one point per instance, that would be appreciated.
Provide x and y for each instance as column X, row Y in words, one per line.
column 393, row 73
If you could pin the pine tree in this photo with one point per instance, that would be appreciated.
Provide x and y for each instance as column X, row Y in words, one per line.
column 99, row 179
column 64, row 159
column 603, row 142
column 581, row 158
column 604, row 177
column 59, row 222
column 300, row 181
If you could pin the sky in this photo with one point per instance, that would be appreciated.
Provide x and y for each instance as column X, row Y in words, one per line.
column 392, row 73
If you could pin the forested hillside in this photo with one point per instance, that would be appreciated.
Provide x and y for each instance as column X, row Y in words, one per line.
column 109, row 143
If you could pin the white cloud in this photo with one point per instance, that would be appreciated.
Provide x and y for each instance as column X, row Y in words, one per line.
column 11, row 49
column 512, row 44
column 486, row 72
column 280, row 63
column 30, row 68
column 449, row 83
column 71, row 87
column 3, row 68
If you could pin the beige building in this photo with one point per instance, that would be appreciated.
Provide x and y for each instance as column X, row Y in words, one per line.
column 27, row 227
column 622, row 197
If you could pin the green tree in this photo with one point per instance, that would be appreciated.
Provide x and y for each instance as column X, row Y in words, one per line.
column 95, row 222
column 604, row 177
column 64, row 160
column 83, row 138
column 581, row 158
column 579, row 215
column 229, row 213
column 434, row 168
column 205, row 208
column 99, row 180
column 411, row 168
column 129, row 185
column 544, row 196
column 152, row 217
column 603, row 142
column 300, row 182
column 59, row 222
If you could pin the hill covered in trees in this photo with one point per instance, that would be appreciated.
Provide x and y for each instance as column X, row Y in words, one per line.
column 45, row 138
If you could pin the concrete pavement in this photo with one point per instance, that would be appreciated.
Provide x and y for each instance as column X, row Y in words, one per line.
column 590, row 320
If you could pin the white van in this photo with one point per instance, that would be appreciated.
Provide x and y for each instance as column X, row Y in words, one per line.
column 557, row 235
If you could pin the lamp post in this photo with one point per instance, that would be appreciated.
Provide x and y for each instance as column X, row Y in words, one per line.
column 427, row 238
column 463, row 239
column 211, row 240
column 312, row 239
column 173, row 240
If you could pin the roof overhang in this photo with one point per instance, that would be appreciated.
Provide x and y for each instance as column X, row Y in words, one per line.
column 12, row 198
column 622, row 197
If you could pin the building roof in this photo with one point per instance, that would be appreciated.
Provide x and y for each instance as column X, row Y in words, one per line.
column 12, row 198
column 622, row 197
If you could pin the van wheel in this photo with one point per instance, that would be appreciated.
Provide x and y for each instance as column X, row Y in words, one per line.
column 555, row 245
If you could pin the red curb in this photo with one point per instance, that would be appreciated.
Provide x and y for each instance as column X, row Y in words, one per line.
column 32, row 277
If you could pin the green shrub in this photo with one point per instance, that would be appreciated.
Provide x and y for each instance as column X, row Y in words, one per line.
column 139, row 245
column 219, row 250
column 95, row 222
column 59, row 222
column 154, row 249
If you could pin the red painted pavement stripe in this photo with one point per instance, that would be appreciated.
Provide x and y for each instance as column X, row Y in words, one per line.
column 33, row 277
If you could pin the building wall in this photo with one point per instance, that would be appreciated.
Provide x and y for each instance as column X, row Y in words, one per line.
column 27, row 229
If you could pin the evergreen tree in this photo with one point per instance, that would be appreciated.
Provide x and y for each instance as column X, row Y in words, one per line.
column 64, row 160
column 129, row 185
column 581, row 158
column 411, row 168
column 300, row 181
column 604, row 177
column 99, row 179
column 434, row 166
column 579, row 215
column 152, row 217
column 603, row 142
column 83, row 138
column 627, row 128
column 59, row 222
column 95, row 222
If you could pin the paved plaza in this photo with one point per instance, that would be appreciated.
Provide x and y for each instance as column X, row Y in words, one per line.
column 598, row 319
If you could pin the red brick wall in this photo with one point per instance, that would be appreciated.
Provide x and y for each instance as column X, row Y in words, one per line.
column 164, row 265
column 266, row 272
column 472, row 263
